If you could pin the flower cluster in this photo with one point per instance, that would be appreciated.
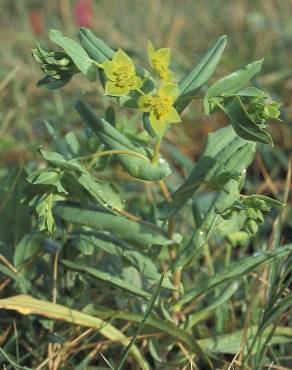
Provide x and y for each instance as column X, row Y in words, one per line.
column 122, row 78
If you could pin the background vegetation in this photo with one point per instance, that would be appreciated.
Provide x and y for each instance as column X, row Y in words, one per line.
column 255, row 29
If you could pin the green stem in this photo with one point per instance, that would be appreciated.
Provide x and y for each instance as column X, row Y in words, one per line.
column 140, row 91
column 111, row 152
column 156, row 151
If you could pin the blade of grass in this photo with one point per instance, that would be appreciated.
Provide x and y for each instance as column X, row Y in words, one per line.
column 142, row 323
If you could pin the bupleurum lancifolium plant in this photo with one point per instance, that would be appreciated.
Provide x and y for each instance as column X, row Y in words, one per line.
column 118, row 215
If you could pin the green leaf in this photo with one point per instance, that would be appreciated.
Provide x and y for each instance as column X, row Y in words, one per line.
column 140, row 233
column 231, row 343
column 104, row 193
column 232, row 83
column 262, row 202
column 235, row 271
column 180, row 158
column 57, row 142
column 95, row 47
column 224, row 200
column 51, row 83
column 250, row 92
column 138, row 167
column 243, row 123
column 29, row 245
column 24, row 284
column 107, row 278
column 224, row 153
column 224, row 296
column 79, row 56
column 27, row 305
column 200, row 74
column 57, row 160
column 47, row 176
column 117, row 247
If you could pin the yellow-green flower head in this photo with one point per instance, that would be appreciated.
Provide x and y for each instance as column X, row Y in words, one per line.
column 160, row 107
column 121, row 75
column 159, row 61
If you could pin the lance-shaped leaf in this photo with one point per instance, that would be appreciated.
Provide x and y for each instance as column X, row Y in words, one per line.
column 224, row 200
column 231, row 343
column 232, row 83
column 95, row 47
column 139, row 233
column 76, row 52
column 102, row 192
column 135, row 162
column 235, row 271
column 225, row 157
column 27, row 305
column 117, row 247
column 191, row 83
column 219, row 301
column 107, row 278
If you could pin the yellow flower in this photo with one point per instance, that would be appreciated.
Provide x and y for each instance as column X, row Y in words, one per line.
column 159, row 61
column 160, row 107
column 121, row 75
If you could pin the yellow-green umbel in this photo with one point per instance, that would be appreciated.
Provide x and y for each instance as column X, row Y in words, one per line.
column 159, row 61
column 160, row 107
column 121, row 75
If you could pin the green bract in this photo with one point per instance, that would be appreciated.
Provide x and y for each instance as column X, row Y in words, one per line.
column 159, row 61
column 121, row 75
column 160, row 108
